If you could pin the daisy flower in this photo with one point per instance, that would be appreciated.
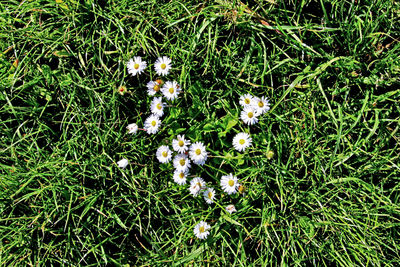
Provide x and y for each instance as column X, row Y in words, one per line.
column 181, row 162
column 164, row 154
column 157, row 106
column 261, row 104
column 198, row 153
column 230, row 208
column 153, row 87
column 132, row 128
column 229, row 184
column 162, row 65
column 180, row 144
column 249, row 115
column 171, row 90
column 209, row 195
column 246, row 100
column 241, row 141
column 151, row 124
column 201, row 230
column 196, row 185
column 136, row 66
column 180, row 177
column 123, row 163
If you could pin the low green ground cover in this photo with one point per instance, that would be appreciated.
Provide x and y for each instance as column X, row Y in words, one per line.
column 321, row 181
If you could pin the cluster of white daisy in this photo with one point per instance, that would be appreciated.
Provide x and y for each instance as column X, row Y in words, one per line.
column 136, row 65
column 169, row 89
column 253, row 107
column 185, row 154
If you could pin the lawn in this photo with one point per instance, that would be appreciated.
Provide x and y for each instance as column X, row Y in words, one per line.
column 319, row 183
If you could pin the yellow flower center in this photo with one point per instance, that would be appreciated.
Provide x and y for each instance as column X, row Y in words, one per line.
column 241, row 141
column 153, row 123
column 231, row 182
column 165, row 154
column 163, row 66
column 201, row 229
column 250, row 114
column 181, row 175
column 181, row 143
column 210, row 195
column 198, row 151
column 136, row 66
column 171, row 90
column 247, row 101
column 159, row 106
column 182, row 162
column 156, row 88
column 261, row 104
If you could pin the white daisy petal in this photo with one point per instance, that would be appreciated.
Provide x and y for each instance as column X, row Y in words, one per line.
column 201, row 230
column 171, row 90
column 153, row 87
column 245, row 100
column 132, row 128
column 198, row 153
column 209, row 195
column 229, row 184
column 261, row 104
column 230, row 208
column 196, row 185
column 123, row 163
column 136, row 66
column 162, row 65
column 249, row 115
column 180, row 144
column 181, row 162
column 241, row 141
column 164, row 154
column 180, row 177
column 152, row 124
column 157, row 106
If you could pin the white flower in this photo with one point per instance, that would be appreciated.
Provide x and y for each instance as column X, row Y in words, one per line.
column 209, row 195
column 136, row 66
column 261, row 104
column 123, row 163
column 241, row 141
column 132, row 128
column 181, row 162
column 201, row 230
column 170, row 90
column 249, row 115
column 180, row 144
column 157, row 106
column 180, row 177
column 153, row 87
column 245, row 100
column 230, row 208
column 198, row 153
column 151, row 124
column 162, row 65
column 229, row 184
column 164, row 154
column 196, row 185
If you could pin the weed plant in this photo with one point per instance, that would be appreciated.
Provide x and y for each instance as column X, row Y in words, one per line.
column 321, row 179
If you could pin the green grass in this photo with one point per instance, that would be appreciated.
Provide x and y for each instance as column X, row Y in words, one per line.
column 329, row 196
